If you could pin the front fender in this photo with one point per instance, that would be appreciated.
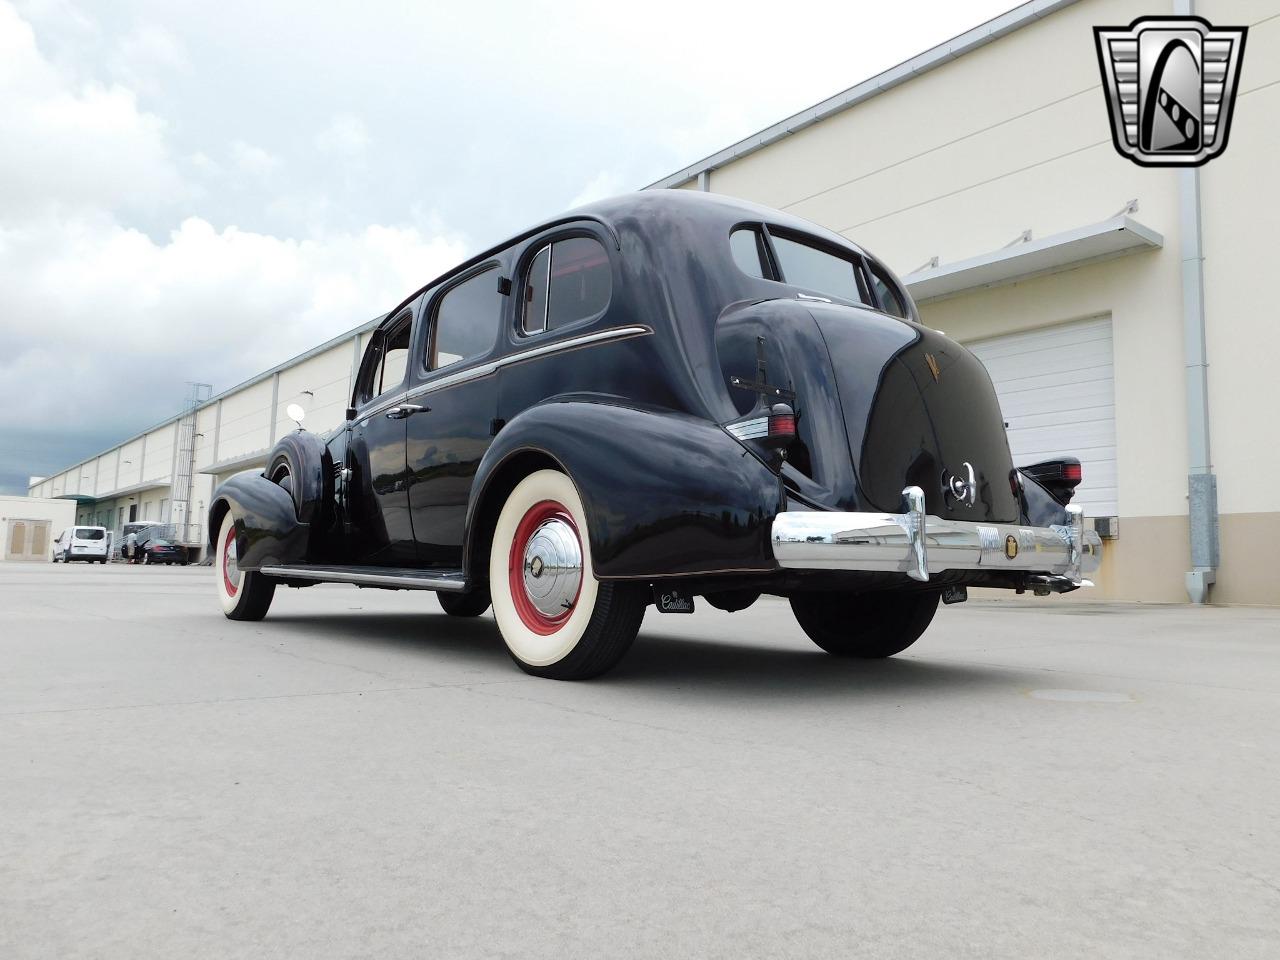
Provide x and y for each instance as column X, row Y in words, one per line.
column 666, row 494
column 267, row 527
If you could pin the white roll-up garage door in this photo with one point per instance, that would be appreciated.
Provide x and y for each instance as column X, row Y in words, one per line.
column 1057, row 390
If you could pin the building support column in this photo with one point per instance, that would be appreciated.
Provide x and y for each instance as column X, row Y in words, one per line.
column 275, row 403
column 1202, row 485
column 217, row 430
column 355, row 366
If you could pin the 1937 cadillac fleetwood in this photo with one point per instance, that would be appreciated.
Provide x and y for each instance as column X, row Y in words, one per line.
column 656, row 397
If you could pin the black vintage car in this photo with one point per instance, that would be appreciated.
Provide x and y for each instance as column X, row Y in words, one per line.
column 658, row 397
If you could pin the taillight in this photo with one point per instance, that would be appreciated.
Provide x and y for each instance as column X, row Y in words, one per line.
column 782, row 423
column 1059, row 477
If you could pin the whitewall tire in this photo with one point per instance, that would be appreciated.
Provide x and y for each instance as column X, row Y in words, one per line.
column 555, row 617
column 245, row 595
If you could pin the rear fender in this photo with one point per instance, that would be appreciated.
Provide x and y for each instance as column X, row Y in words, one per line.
column 267, row 527
column 665, row 494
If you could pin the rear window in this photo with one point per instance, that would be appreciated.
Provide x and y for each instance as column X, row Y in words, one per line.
column 816, row 269
column 89, row 533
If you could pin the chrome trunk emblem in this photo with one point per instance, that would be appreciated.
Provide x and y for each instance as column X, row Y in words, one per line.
column 964, row 489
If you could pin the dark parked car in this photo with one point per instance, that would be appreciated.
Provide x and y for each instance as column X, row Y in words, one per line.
column 154, row 548
column 659, row 397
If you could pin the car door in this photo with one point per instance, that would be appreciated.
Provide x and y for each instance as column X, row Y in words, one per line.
column 377, row 500
column 456, row 386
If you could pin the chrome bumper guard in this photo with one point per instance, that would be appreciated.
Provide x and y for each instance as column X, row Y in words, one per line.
column 1056, row 557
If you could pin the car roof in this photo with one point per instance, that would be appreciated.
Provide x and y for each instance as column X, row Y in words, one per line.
column 632, row 210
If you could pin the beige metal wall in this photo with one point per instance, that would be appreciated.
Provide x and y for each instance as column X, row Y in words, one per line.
column 43, row 520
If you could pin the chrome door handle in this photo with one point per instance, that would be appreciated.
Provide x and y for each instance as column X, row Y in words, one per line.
column 406, row 410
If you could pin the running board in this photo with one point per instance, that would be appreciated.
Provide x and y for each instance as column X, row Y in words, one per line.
column 394, row 578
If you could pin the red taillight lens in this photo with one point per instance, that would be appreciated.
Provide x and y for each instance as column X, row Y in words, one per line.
column 1072, row 471
column 782, row 425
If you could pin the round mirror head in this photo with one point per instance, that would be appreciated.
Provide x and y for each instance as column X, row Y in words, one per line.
column 295, row 413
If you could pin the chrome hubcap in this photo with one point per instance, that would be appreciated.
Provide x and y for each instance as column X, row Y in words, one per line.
column 552, row 568
column 229, row 565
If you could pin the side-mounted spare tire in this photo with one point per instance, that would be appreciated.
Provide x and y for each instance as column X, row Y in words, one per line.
column 301, row 464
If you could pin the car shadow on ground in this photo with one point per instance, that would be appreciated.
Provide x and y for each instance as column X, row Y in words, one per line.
column 722, row 667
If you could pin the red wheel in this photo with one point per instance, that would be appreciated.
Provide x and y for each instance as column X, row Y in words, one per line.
column 227, row 565
column 245, row 594
column 556, row 618
column 544, row 567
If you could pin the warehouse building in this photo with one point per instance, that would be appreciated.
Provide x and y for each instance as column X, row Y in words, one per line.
column 168, row 473
column 1119, row 308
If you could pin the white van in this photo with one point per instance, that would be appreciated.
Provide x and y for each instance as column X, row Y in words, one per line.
column 81, row 543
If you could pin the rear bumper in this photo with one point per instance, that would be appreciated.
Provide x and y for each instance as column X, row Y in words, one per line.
column 919, row 545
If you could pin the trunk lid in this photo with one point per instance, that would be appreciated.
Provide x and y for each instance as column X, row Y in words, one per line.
column 919, row 409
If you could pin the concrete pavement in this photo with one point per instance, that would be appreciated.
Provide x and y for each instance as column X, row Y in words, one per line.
column 361, row 776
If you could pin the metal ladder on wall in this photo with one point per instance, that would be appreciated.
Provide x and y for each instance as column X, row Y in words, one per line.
column 187, row 530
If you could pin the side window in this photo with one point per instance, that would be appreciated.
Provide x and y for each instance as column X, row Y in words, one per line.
column 567, row 281
column 816, row 269
column 395, row 359
column 384, row 364
column 885, row 292
column 467, row 320
column 747, row 246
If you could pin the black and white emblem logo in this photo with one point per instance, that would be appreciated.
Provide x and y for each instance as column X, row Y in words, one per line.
column 1171, row 85
column 670, row 600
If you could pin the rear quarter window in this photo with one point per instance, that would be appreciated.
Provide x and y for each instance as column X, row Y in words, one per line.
column 568, row 280
column 886, row 293
column 816, row 269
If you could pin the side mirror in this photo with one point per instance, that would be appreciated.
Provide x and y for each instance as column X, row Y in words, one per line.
column 295, row 413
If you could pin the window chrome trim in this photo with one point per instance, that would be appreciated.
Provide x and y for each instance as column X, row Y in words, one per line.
column 531, row 353
column 493, row 366
column 549, row 247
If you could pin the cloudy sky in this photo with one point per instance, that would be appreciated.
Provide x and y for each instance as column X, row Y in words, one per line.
column 198, row 191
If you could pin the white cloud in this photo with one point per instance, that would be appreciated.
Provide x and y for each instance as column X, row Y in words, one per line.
column 66, row 145
column 345, row 136
column 146, row 56
column 105, row 321
column 89, row 299
column 606, row 183
column 253, row 160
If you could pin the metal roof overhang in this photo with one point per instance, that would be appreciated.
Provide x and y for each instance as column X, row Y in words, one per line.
column 1061, row 251
column 255, row 458
column 116, row 494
